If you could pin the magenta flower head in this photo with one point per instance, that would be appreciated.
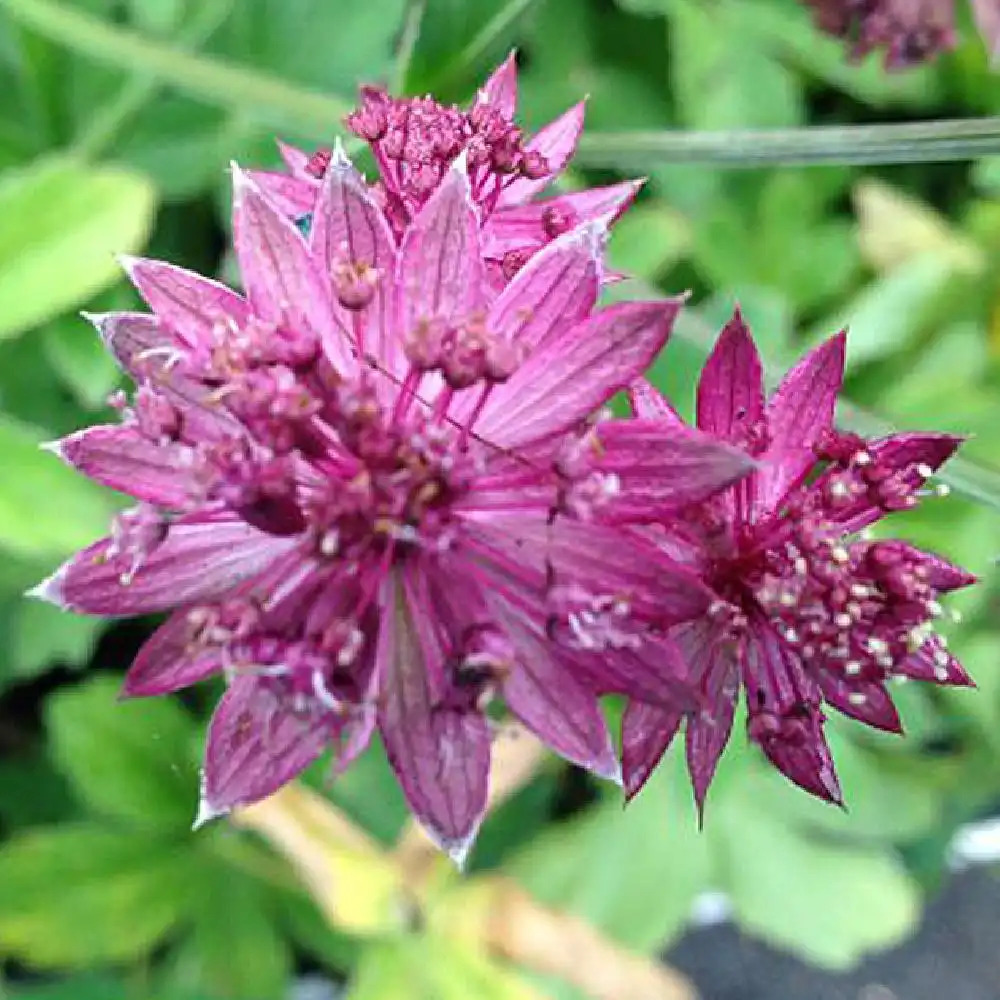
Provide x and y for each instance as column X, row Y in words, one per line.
column 372, row 498
column 415, row 141
column 908, row 32
column 808, row 611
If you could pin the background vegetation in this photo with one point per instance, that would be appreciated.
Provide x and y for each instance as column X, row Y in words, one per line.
column 117, row 121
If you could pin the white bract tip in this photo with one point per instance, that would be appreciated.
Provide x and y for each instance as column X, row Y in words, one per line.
column 127, row 262
column 50, row 589
column 54, row 448
column 242, row 183
column 457, row 848
column 460, row 165
column 206, row 811
column 339, row 158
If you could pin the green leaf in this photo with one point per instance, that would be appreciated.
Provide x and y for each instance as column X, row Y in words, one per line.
column 32, row 792
column 46, row 509
column 82, row 988
column 78, row 895
column 40, row 636
column 81, row 361
column 453, row 26
column 60, row 225
column 261, row 95
column 721, row 79
column 368, row 792
column 830, row 903
column 432, row 968
column 648, row 240
column 157, row 16
column 601, row 865
column 132, row 761
column 235, row 944
column 327, row 46
column 180, row 144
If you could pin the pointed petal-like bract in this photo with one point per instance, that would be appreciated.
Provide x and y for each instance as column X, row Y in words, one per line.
column 295, row 159
column 440, row 754
column 647, row 732
column 555, row 707
column 253, row 749
column 191, row 306
column 577, row 372
column 866, row 701
column 708, row 731
column 129, row 336
column 281, row 279
column 650, row 404
column 518, row 226
column 809, row 764
column 803, row 756
column 122, row 458
column 195, row 562
column 731, row 389
column 293, row 195
column 660, row 468
column 439, row 269
column 168, row 661
column 556, row 289
column 798, row 414
column 348, row 227
column 556, row 142
column 935, row 664
column 601, row 558
column 500, row 89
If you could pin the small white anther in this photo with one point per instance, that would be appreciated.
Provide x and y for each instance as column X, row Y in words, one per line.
column 857, row 698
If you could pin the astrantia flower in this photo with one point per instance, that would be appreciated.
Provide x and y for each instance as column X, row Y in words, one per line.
column 807, row 612
column 367, row 498
column 908, row 32
column 414, row 142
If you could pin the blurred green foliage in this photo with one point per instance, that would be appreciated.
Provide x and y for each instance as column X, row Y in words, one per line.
column 115, row 132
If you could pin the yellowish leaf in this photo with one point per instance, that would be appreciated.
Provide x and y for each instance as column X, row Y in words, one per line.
column 499, row 918
column 356, row 884
column 894, row 228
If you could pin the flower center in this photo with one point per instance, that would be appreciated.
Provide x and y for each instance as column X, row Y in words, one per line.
column 415, row 140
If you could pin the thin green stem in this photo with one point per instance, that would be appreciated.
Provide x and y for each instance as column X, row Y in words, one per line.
column 215, row 81
column 909, row 142
column 481, row 41
column 105, row 126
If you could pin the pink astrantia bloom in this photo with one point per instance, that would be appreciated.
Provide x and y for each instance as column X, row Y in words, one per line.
column 907, row 32
column 414, row 142
column 374, row 501
column 808, row 611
